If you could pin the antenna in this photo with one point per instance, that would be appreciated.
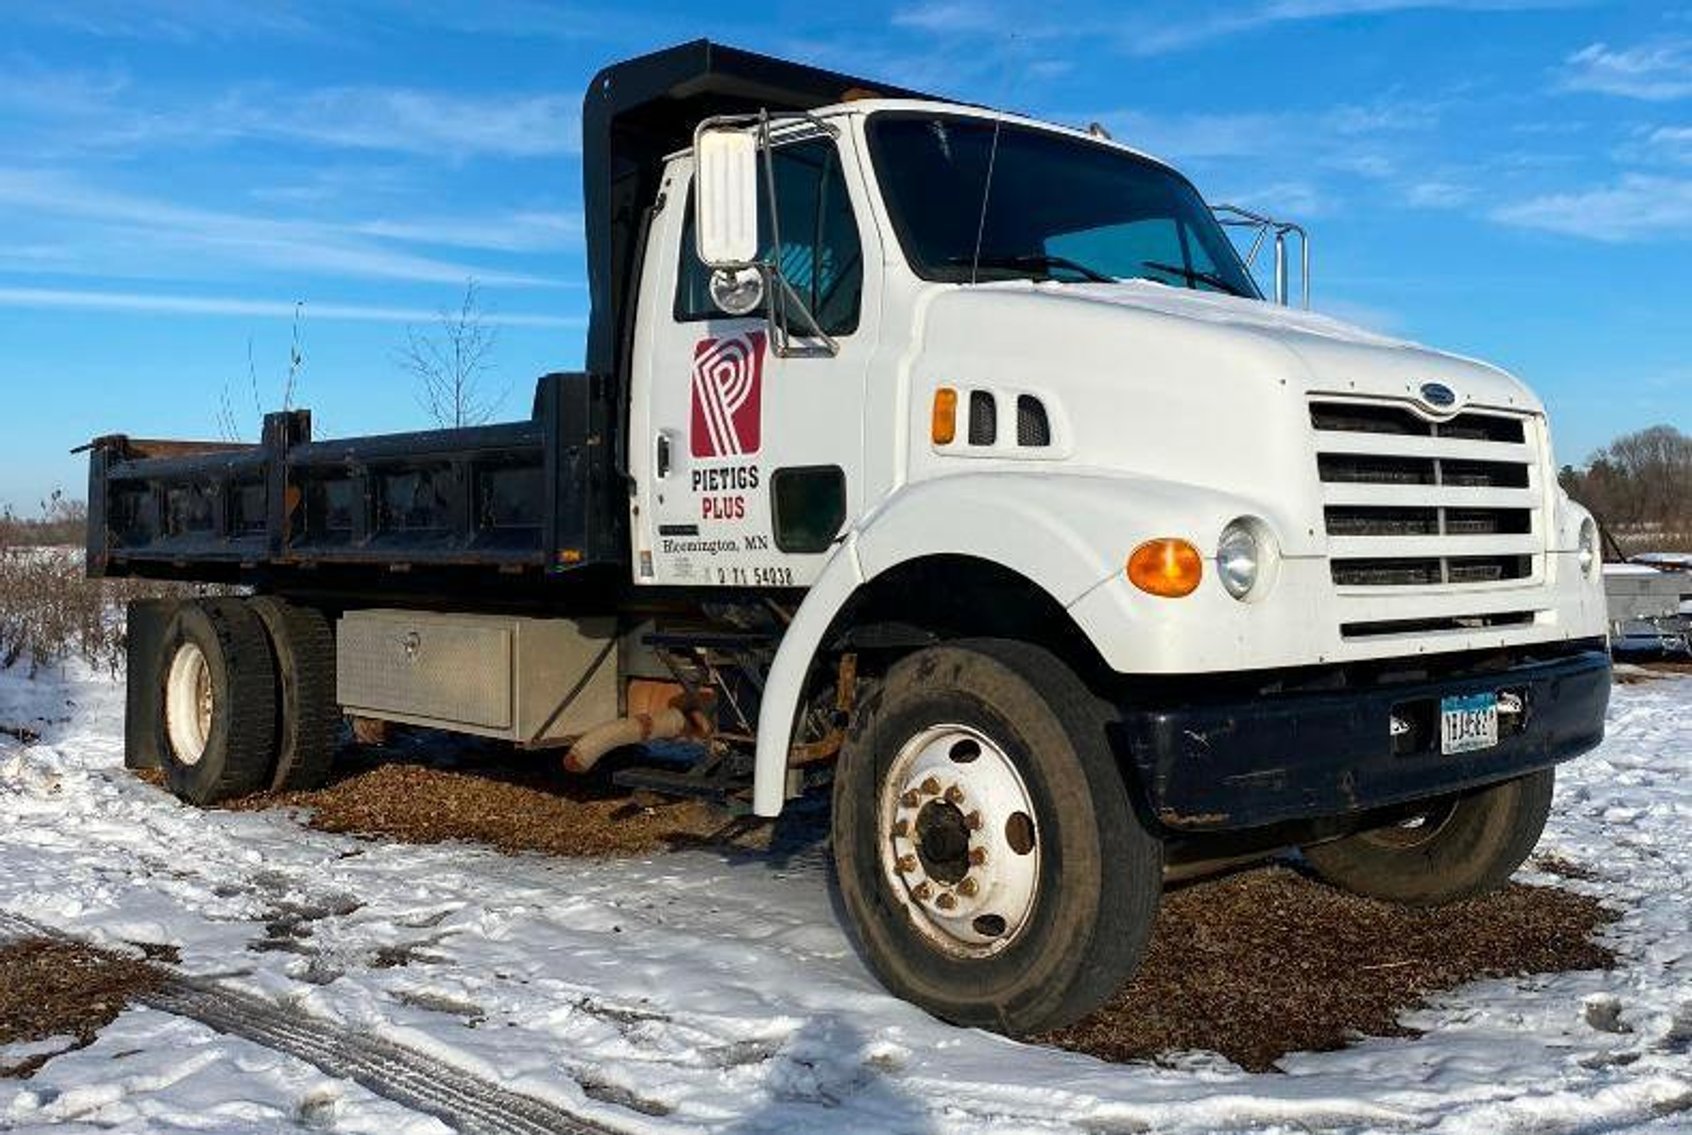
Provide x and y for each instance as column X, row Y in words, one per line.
column 986, row 196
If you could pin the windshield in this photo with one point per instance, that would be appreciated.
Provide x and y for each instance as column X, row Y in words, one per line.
column 1057, row 208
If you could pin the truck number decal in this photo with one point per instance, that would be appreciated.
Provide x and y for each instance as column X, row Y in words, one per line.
column 728, row 379
column 755, row 576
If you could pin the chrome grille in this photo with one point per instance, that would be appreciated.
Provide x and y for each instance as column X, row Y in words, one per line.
column 1415, row 509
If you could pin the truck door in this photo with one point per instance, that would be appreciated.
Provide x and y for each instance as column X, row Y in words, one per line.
column 747, row 463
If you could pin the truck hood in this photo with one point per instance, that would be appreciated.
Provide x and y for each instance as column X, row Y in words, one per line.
column 1337, row 357
column 1189, row 388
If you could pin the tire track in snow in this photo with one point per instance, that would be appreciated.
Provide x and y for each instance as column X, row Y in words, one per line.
column 462, row 1100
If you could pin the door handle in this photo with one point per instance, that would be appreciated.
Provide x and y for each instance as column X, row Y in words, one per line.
column 661, row 455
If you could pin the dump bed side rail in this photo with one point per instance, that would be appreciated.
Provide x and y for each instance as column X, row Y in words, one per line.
column 538, row 494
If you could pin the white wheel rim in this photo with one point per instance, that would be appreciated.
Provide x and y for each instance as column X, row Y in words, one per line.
column 189, row 704
column 959, row 841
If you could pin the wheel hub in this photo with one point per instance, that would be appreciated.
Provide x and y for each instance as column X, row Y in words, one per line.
column 960, row 841
column 942, row 842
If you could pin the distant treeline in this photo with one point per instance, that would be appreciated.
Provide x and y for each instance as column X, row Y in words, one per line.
column 60, row 521
column 1640, row 488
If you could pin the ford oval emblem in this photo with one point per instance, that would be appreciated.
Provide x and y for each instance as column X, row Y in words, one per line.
column 1438, row 395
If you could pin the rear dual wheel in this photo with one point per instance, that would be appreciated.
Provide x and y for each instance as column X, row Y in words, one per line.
column 985, row 847
column 218, row 715
column 1456, row 848
column 246, row 698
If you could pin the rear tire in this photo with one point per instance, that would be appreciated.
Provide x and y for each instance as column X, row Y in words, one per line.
column 217, row 702
column 308, row 720
column 985, row 846
column 1463, row 846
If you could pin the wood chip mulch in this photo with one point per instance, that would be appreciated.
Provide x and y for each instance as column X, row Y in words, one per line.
column 524, row 805
column 54, row 989
column 1268, row 962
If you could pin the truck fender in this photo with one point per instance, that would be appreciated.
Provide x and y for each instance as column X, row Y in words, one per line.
column 1063, row 532
column 784, row 685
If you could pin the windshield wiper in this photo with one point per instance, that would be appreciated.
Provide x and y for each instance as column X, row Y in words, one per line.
column 1195, row 276
column 1038, row 262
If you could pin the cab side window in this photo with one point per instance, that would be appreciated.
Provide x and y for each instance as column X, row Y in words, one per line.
column 820, row 256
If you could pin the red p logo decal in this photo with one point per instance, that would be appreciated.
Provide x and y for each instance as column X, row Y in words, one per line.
column 728, row 381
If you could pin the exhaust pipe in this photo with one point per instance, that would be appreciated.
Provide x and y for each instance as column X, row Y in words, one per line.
column 682, row 718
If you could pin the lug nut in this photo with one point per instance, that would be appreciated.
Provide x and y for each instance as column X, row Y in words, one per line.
column 900, row 829
column 910, row 799
column 973, row 820
column 954, row 795
column 977, row 856
column 967, row 887
column 907, row 864
column 930, row 787
column 921, row 891
column 946, row 901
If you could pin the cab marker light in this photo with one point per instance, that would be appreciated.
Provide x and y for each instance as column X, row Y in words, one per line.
column 945, row 423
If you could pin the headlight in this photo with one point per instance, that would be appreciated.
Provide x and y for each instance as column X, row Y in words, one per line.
column 1245, row 556
column 1588, row 549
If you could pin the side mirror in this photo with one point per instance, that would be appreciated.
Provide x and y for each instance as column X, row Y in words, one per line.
column 725, row 196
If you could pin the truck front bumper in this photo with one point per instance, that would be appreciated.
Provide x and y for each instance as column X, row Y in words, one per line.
column 1235, row 760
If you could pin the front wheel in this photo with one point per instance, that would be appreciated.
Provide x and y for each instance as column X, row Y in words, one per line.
column 985, row 846
column 1457, row 848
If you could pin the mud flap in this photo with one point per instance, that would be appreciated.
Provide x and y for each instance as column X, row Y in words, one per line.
column 145, row 621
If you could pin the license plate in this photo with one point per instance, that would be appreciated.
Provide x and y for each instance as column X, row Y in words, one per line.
column 1468, row 723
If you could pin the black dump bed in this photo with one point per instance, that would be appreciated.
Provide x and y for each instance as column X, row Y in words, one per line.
column 520, row 497
column 530, row 499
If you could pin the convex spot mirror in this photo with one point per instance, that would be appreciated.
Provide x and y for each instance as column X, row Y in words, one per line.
column 725, row 196
column 737, row 291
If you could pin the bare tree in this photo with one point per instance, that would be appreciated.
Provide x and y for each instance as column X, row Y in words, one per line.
column 229, row 423
column 451, row 363
column 1640, row 486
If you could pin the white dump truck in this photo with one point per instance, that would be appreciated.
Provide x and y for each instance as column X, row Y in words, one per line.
column 951, row 458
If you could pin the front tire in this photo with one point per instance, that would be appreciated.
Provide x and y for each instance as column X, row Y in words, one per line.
column 985, row 846
column 1460, row 847
column 217, row 707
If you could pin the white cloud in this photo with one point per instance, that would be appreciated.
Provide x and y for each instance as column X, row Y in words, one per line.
column 1657, row 72
column 1673, row 143
column 518, row 232
column 120, row 234
column 148, row 303
column 72, row 111
column 1637, row 207
column 1155, row 29
column 1341, row 137
column 1186, row 137
column 429, row 123
column 1163, row 34
column 1288, row 200
column 1438, row 195
column 951, row 16
column 176, row 21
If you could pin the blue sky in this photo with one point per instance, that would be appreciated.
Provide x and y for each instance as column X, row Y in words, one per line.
column 1505, row 178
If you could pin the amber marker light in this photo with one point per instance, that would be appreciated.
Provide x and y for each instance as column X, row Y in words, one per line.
column 945, row 426
column 1167, row 566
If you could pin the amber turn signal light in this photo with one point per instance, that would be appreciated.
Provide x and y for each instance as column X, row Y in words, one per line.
column 1167, row 566
column 945, row 426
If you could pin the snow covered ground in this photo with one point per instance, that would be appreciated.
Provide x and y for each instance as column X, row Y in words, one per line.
column 704, row 991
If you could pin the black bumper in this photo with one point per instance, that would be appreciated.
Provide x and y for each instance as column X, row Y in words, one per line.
column 1243, row 761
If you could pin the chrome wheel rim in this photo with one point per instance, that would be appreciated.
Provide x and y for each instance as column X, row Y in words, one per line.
column 959, row 841
column 189, row 704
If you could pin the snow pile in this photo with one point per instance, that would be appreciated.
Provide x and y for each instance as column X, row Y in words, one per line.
column 708, row 991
